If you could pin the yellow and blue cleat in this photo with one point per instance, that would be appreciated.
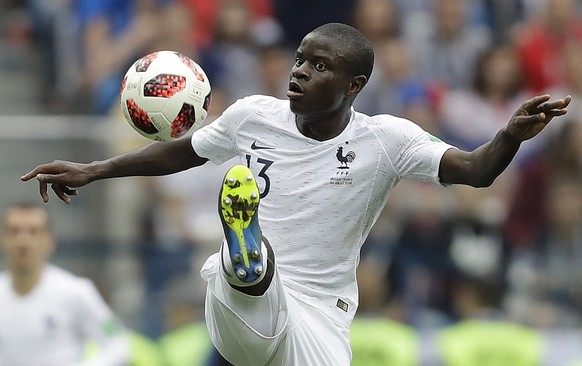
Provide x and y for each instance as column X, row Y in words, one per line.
column 238, row 210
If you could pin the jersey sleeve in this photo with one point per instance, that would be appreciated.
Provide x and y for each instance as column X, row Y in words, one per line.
column 415, row 153
column 217, row 140
column 99, row 325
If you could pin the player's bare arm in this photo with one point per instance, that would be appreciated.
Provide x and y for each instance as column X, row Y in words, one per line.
column 480, row 167
column 158, row 158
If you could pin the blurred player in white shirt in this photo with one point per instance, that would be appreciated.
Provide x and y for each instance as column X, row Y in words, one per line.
column 48, row 315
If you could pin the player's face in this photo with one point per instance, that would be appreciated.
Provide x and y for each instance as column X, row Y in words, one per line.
column 318, row 80
column 26, row 238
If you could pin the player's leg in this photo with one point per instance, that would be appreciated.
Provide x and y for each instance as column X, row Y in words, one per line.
column 246, row 310
column 273, row 329
column 247, row 260
column 251, row 317
column 247, row 330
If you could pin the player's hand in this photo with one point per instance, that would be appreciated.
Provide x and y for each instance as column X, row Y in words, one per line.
column 63, row 177
column 534, row 115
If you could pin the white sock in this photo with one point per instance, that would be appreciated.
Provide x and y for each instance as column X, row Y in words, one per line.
column 227, row 264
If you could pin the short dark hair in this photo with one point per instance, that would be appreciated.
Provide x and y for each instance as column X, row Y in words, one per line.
column 25, row 205
column 359, row 51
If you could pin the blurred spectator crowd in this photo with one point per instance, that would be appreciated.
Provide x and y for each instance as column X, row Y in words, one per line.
column 458, row 68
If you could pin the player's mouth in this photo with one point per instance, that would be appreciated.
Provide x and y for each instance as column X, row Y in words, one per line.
column 22, row 253
column 295, row 90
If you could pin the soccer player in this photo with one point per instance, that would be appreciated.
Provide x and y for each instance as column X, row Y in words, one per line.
column 284, row 292
column 48, row 315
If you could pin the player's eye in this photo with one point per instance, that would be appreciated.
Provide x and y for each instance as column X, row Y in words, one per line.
column 320, row 67
column 298, row 62
column 10, row 232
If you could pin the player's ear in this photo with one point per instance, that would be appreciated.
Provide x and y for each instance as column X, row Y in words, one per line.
column 356, row 85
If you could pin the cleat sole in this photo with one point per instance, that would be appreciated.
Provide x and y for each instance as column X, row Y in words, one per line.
column 238, row 205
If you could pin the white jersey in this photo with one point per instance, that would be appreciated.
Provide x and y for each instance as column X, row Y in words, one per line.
column 320, row 198
column 51, row 325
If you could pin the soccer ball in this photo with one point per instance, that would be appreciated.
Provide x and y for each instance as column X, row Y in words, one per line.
column 164, row 95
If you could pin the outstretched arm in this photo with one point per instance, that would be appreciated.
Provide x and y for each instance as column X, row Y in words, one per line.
column 158, row 158
column 480, row 167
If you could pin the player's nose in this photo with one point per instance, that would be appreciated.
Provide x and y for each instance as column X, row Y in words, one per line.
column 300, row 72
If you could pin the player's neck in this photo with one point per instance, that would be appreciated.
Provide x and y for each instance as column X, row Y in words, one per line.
column 24, row 281
column 322, row 128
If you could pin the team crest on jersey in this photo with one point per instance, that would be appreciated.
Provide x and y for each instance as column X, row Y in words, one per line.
column 345, row 157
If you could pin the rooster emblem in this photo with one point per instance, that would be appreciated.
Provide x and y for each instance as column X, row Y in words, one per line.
column 344, row 160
